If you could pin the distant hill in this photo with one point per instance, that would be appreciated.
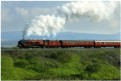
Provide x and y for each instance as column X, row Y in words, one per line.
column 13, row 37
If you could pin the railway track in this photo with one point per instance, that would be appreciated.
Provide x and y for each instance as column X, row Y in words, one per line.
column 57, row 48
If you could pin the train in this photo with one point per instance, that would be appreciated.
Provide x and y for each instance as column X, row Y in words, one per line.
column 67, row 44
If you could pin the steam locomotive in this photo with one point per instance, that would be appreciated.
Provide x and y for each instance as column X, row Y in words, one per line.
column 67, row 43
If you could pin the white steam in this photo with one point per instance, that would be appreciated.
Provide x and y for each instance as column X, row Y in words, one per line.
column 96, row 11
column 45, row 25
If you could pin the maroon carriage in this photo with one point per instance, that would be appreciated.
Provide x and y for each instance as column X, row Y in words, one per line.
column 52, row 43
column 77, row 43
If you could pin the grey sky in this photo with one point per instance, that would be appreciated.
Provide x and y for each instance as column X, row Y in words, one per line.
column 16, row 14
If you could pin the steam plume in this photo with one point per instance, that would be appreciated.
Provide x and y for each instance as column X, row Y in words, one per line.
column 45, row 25
column 96, row 11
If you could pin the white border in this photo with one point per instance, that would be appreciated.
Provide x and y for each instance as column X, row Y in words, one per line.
column 60, row 0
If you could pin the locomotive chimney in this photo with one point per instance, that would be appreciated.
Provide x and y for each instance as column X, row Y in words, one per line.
column 23, row 37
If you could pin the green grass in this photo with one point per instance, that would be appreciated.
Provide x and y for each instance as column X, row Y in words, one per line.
column 83, row 64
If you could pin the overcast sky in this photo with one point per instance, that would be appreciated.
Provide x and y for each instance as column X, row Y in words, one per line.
column 15, row 15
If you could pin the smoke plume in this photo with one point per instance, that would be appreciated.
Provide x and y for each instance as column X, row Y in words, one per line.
column 45, row 25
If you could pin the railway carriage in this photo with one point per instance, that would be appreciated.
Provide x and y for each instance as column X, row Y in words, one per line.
column 52, row 43
column 115, row 44
column 77, row 43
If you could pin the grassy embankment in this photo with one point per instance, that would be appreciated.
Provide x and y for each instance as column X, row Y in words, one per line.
column 86, row 64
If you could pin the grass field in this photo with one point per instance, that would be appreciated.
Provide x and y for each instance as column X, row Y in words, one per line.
column 62, row 64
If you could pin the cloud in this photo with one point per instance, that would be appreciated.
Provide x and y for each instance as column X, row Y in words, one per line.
column 22, row 11
column 5, row 15
column 35, row 11
column 114, row 22
column 38, row 11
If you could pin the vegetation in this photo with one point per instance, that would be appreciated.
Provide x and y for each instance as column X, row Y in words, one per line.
column 53, row 64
